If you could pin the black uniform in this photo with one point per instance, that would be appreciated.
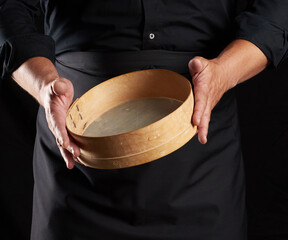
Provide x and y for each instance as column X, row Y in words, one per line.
column 197, row 192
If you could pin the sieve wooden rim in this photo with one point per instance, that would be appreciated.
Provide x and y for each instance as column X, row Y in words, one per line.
column 186, row 129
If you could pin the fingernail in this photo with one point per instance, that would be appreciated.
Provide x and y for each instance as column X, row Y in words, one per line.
column 202, row 139
column 76, row 159
column 66, row 162
column 205, row 139
column 71, row 150
column 60, row 141
column 70, row 166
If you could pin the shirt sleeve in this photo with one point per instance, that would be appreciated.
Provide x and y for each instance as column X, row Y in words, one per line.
column 265, row 24
column 20, row 38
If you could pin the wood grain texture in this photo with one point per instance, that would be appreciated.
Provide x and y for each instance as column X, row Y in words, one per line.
column 141, row 145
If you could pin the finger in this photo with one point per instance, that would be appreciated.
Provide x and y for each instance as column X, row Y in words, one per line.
column 73, row 148
column 60, row 132
column 64, row 90
column 65, row 141
column 59, row 86
column 200, row 105
column 201, row 96
column 196, row 66
column 204, row 126
column 68, row 158
column 56, row 117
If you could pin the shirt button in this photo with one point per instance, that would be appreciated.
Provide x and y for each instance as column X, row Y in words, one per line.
column 151, row 36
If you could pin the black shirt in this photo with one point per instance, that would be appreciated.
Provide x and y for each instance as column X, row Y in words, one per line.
column 187, row 25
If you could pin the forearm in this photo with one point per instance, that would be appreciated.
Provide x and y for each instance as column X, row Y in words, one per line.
column 240, row 61
column 34, row 74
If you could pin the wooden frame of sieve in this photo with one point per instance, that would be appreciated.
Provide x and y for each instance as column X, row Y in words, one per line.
column 141, row 145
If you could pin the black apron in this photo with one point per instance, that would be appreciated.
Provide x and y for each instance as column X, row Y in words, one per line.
column 195, row 193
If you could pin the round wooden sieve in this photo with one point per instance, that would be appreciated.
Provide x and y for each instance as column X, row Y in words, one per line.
column 160, row 104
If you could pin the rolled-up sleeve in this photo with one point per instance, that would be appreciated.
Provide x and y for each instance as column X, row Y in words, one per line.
column 265, row 24
column 19, row 35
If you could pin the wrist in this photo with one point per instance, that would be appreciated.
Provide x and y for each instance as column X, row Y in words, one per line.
column 227, row 78
column 46, row 92
column 240, row 61
column 35, row 75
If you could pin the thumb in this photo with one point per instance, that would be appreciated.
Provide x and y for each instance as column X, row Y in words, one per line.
column 196, row 66
column 59, row 87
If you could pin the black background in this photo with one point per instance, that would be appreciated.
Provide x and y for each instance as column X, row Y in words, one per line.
column 263, row 113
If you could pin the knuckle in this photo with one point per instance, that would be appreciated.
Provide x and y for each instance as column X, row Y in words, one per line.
column 206, row 114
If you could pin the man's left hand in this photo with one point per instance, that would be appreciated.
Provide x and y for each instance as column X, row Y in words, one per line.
column 210, row 83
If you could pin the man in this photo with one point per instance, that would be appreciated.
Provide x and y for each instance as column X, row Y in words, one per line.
column 196, row 192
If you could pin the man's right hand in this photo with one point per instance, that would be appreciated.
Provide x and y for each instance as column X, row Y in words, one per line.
column 39, row 77
column 57, row 97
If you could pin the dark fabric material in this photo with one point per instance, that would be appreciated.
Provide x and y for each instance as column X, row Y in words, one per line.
column 197, row 192
column 13, row 51
column 260, row 29
column 106, row 64
column 18, row 18
column 21, row 35
column 176, row 25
